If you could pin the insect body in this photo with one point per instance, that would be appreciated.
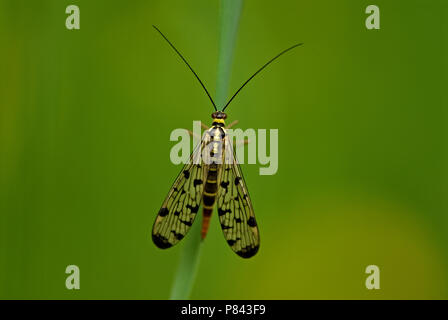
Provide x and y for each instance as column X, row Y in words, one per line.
column 217, row 135
column 212, row 177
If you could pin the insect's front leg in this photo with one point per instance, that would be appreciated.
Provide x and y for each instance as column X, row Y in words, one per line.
column 240, row 142
column 232, row 124
column 192, row 134
column 203, row 126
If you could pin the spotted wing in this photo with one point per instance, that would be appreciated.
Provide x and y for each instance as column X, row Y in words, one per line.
column 182, row 203
column 235, row 210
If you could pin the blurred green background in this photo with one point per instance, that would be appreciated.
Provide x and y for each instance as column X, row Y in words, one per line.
column 85, row 118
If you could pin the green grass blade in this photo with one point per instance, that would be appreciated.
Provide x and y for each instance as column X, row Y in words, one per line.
column 230, row 12
column 188, row 264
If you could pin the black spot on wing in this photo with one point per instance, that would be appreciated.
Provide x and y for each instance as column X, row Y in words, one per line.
column 185, row 222
column 251, row 222
column 237, row 180
column 224, row 184
column 194, row 209
column 163, row 212
column 247, row 252
column 186, row 174
column 222, row 212
column 178, row 236
column 161, row 242
column 197, row 182
column 231, row 242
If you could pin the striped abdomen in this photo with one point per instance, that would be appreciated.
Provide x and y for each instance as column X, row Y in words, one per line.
column 209, row 197
column 217, row 135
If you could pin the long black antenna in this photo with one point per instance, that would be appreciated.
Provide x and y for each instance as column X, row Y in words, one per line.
column 265, row 65
column 180, row 55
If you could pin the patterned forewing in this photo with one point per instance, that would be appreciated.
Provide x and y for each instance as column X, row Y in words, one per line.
column 182, row 203
column 235, row 210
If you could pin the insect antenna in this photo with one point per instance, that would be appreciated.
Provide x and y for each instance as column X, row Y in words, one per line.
column 180, row 55
column 258, row 71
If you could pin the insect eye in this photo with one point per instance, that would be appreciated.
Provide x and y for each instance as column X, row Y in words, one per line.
column 219, row 115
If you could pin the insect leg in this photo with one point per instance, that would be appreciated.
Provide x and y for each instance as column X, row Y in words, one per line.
column 192, row 134
column 232, row 124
